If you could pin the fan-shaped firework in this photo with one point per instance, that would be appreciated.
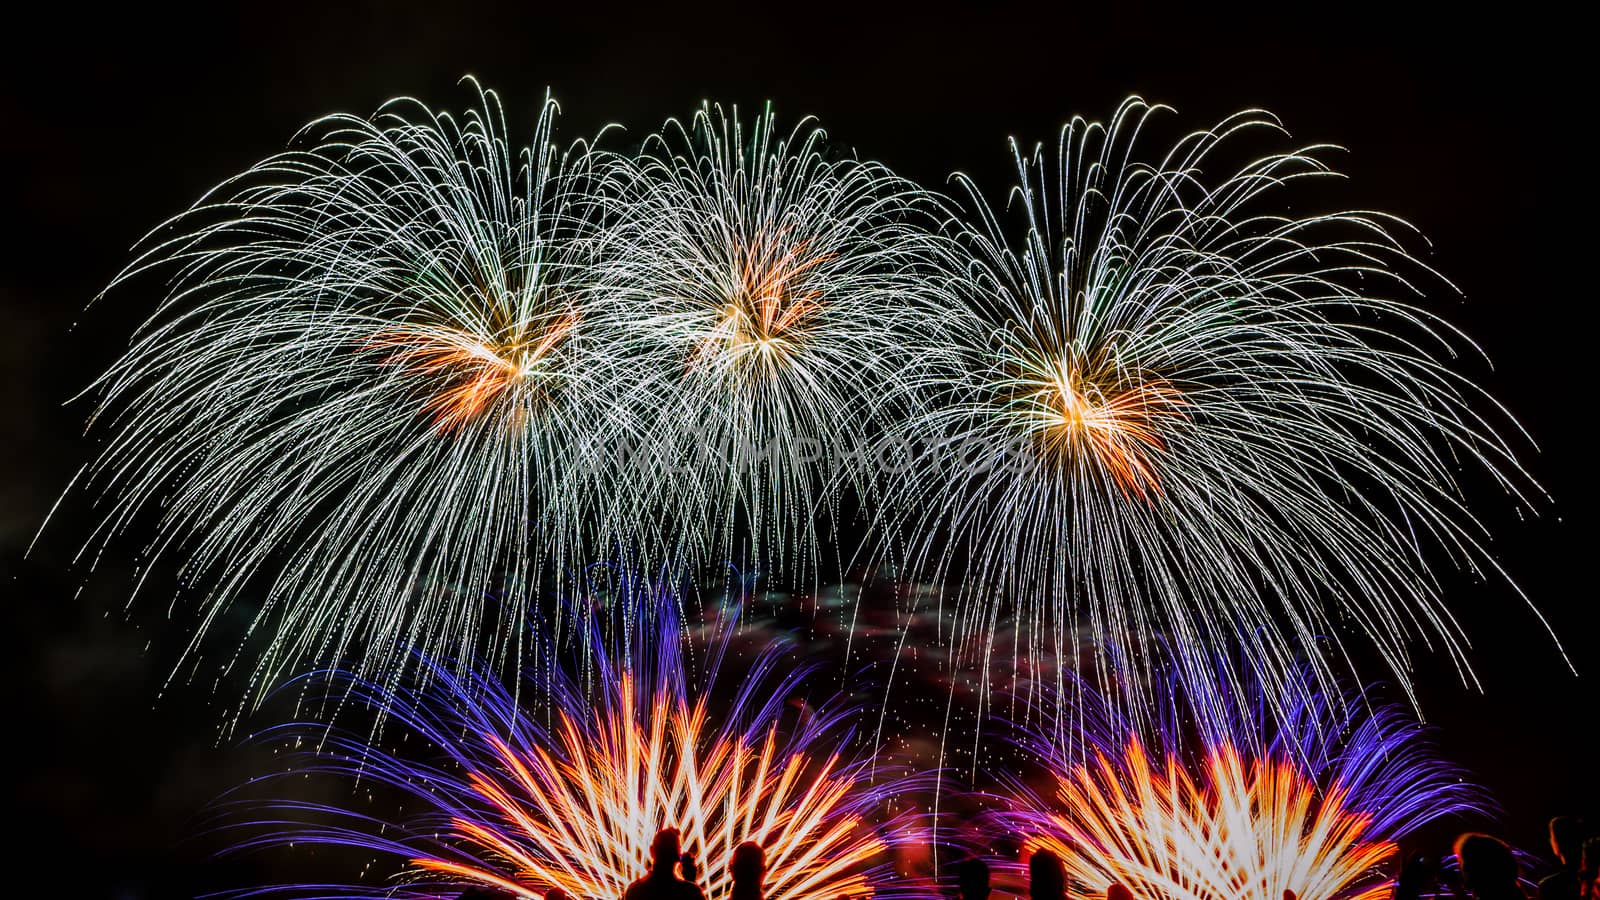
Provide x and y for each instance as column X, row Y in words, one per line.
column 565, row 784
column 778, row 303
column 1230, row 803
column 359, row 398
column 1186, row 414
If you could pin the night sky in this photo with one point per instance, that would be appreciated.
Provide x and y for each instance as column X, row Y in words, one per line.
column 1473, row 129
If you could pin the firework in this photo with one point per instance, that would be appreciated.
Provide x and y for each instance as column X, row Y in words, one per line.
column 779, row 304
column 1183, row 414
column 565, row 784
column 1236, row 805
column 359, row 403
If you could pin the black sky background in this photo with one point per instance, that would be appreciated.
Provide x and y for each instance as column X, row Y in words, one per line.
column 1472, row 127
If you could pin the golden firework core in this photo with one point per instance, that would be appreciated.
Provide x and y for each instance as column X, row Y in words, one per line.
column 477, row 372
column 768, row 312
column 1104, row 419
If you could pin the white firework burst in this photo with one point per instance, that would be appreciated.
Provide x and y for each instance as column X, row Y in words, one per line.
column 1188, row 415
column 356, row 408
column 779, row 303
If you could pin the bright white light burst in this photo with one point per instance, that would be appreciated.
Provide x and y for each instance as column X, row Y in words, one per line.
column 1188, row 410
column 778, row 304
column 359, row 403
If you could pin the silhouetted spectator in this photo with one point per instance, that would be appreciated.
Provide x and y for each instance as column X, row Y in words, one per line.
column 972, row 879
column 1566, row 842
column 662, row 883
column 1047, row 877
column 689, row 868
column 1589, row 870
column 556, row 893
column 1118, row 892
column 749, row 869
column 1415, row 877
column 1488, row 868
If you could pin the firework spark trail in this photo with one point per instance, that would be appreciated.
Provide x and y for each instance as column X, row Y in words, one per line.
column 1183, row 415
column 566, row 784
column 358, row 406
column 1231, row 802
column 779, row 306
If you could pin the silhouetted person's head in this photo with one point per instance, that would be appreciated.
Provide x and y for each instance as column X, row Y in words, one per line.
column 1566, row 840
column 1416, row 875
column 1488, row 868
column 556, row 893
column 972, row 879
column 1047, row 877
column 665, row 850
column 748, row 868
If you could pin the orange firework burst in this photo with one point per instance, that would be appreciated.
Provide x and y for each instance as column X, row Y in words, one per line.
column 476, row 373
column 1116, row 427
column 1227, row 798
column 627, row 740
column 1242, row 829
column 768, row 309
column 581, row 816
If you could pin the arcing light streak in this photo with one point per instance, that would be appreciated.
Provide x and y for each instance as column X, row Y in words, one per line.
column 566, row 784
column 1182, row 414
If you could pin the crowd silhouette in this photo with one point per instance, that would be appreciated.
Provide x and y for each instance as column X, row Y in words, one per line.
column 1488, row 870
